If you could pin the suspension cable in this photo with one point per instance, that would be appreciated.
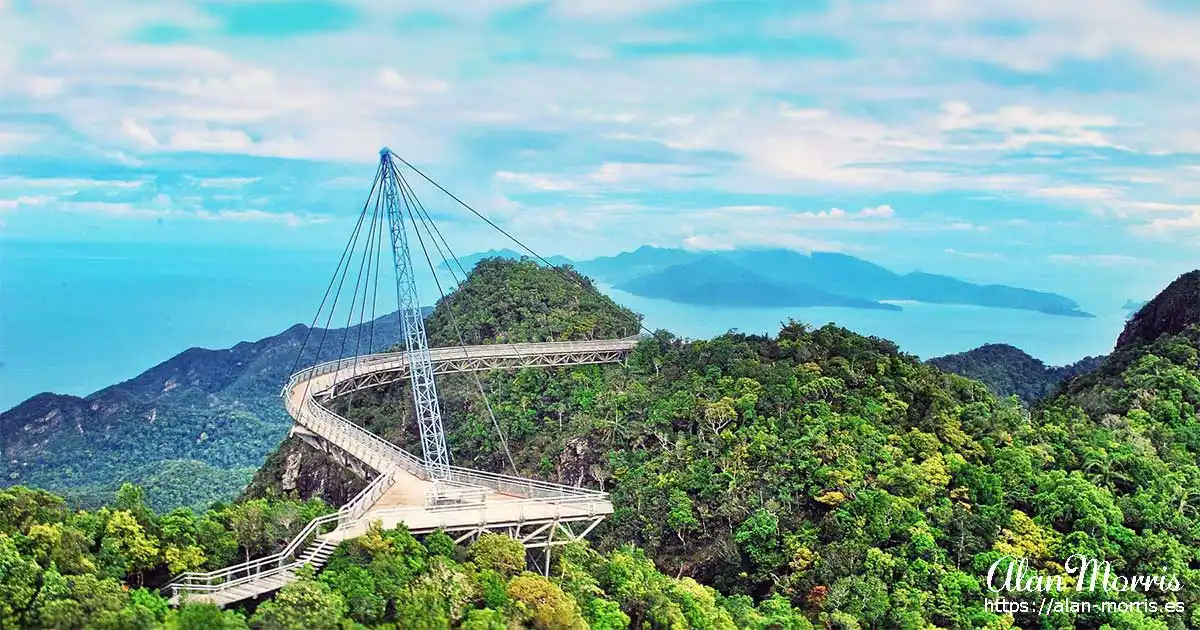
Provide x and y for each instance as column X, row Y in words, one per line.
column 510, row 237
column 365, row 283
column 317, row 316
column 407, row 191
column 378, row 254
column 337, row 294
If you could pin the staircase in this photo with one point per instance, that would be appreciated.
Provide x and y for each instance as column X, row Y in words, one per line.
column 263, row 575
column 224, row 587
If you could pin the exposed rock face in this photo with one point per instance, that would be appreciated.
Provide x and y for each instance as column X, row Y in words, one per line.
column 577, row 463
column 1170, row 312
column 291, row 471
column 299, row 470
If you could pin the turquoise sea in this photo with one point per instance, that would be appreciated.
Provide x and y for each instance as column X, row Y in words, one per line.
column 77, row 317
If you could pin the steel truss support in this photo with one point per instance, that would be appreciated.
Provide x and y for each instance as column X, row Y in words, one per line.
column 420, row 368
column 538, row 538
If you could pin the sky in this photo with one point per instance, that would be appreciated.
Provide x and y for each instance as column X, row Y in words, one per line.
column 1052, row 145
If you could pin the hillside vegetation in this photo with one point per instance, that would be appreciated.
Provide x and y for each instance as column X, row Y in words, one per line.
column 1009, row 371
column 847, row 477
column 813, row 478
column 74, row 570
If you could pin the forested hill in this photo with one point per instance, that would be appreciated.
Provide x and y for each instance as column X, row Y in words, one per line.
column 834, row 471
column 1171, row 312
column 507, row 301
column 1009, row 371
column 192, row 429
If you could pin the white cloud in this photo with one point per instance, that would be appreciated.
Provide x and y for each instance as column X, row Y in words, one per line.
column 162, row 208
column 66, row 185
column 974, row 255
column 140, row 134
column 888, row 119
column 24, row 201
column 1024, row 126
column 45, row 87
column 1102, row 260
column 11, row 141
column 878, row 211
column 609, row 176
column 216, row 140
column 1186, row 227
column 222, row 182
column 611, row 9
column 289, row 219
column 535, row 182
column 1083, row 193
column 391, row 79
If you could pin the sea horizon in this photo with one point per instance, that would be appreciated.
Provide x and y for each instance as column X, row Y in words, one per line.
column 79, row 317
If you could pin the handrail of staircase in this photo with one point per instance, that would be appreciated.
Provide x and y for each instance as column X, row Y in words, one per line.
column 348, row 512
column 221, row 586
column 194, row 578
column 362, row 501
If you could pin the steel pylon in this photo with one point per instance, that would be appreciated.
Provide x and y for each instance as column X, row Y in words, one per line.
column 424, row 389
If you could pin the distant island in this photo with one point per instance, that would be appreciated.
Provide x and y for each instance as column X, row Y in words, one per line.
column 767, row 278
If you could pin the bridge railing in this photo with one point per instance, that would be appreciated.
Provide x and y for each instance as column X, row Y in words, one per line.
column 382, row 455
column 254, row 569
column 333, row 426
column 385, row 457
column 461, row 352
column 371, row 449
column 456, row 517
column 363, row 501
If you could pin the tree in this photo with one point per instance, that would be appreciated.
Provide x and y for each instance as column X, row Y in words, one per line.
column 252, row 527
column 204, row 617
column 302, row 605
column 543, row 604
column 356, row 586
column 498, row 552
column 126, row 547
column 19, row 577
column 484, row 619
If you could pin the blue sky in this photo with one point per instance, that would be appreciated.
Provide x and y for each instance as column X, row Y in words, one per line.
column 1054, row 145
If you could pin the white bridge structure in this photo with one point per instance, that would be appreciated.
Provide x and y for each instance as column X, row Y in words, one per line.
column 465, row 504
column 427, row 493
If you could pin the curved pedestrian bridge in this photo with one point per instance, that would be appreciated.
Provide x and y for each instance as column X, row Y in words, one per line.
column 463, row 502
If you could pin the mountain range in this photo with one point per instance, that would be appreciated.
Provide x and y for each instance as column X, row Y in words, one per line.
column 213, row 415
column 764, row 278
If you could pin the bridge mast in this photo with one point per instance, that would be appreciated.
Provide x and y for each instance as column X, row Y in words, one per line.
column 424, row 390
